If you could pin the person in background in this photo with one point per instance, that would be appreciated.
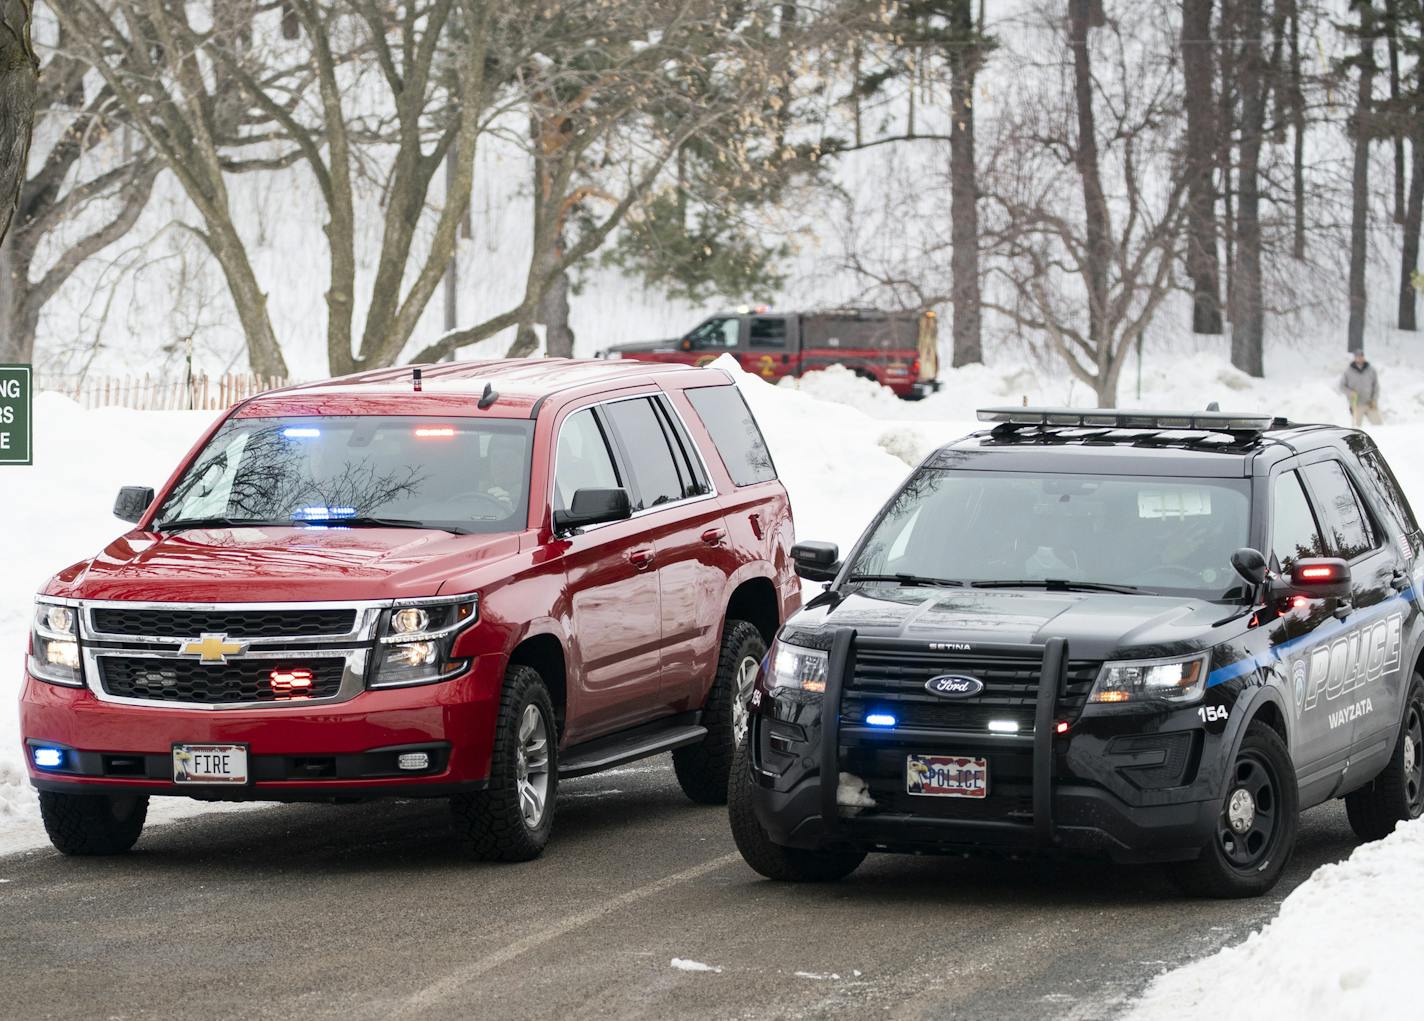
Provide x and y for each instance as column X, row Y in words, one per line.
column 1361, row 384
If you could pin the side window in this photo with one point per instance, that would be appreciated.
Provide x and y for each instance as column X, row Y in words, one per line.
column 1387, row 487
column 739, row 442
column 582, row 460
column 1294, row 533
column 684, row 453
column 1348, row 531
column 656, row 478
column 767, row 332
column 716, row 334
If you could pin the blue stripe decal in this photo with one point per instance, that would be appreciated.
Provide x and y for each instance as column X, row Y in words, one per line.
column 1231, row 671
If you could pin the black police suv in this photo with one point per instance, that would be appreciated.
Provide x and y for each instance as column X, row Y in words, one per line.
column 1155, row 636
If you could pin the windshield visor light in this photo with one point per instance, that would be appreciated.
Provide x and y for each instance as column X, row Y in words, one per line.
column 793, row 666
column 1166, row 680
column 418, row 639
column 54, row 645
column 300, row 433
column 435, row 432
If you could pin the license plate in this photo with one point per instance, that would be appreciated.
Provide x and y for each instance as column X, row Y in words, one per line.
column 947, row 776
column 210, row 763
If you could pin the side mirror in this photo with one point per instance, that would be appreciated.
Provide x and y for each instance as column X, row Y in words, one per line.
column 1251, row 565
column 686, row 344
column 1320, row 578
column 593, row 507
column 131, row 502
column 816, row 561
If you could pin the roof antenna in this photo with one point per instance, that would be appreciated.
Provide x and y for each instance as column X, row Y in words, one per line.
column 1213, row 406
column 488, row 397
column 415, row 378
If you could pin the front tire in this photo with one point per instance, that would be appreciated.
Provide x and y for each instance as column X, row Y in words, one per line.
column 1397, row 793
column 511, row 819
column 1255, row 833
column 93, row 824
column 787, row 864
column 702, row 769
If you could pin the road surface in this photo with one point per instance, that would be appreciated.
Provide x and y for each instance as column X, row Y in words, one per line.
column 363, row 911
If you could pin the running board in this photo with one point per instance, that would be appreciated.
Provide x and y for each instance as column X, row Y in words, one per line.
column 631, row 745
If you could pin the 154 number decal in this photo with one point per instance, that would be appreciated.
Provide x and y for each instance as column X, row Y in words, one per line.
column 1213, row 713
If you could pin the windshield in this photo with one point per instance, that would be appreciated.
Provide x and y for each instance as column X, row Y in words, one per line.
column 460, row 475
column 1173, row 536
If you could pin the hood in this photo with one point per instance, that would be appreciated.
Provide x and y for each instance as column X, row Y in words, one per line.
column 1097, row 625
column 278, row 563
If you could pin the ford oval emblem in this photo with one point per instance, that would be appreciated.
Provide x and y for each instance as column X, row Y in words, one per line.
column 954, row 686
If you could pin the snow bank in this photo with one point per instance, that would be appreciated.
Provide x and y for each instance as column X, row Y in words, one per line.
column 1345, row 945
column 54, row 513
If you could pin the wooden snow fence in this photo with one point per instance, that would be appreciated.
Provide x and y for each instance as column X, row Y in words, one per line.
column 144, row 393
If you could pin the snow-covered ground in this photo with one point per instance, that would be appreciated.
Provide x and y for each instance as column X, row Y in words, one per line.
column 1344, row 941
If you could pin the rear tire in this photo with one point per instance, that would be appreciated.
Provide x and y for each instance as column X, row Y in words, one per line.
column 786, row 864
column 93, row 824
column 702, row 768
column 1255, row 833
column 1397, row 793
column 511, row 819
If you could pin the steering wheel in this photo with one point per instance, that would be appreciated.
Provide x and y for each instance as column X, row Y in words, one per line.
column 1177, row 572
column 501, row 508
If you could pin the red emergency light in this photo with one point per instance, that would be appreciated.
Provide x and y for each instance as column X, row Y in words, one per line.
column 295, row 683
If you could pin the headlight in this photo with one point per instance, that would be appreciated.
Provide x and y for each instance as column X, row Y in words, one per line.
column 1146, row 680
column 54, row 644
column 795, row 666
column 416, row 640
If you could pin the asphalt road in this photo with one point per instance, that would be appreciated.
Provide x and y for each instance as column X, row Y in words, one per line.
column 363, row 911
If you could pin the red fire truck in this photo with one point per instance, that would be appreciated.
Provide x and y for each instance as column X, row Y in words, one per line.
column 896, row 349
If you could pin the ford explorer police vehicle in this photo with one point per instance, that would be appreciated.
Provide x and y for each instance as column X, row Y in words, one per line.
column 1155, row 636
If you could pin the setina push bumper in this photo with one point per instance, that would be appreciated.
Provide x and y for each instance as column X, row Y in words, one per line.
column 1015, row 767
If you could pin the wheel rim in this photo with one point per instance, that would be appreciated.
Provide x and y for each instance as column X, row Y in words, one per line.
column 531, row 766
column 745, row 680
column 1250, row 818
column 1414, row 760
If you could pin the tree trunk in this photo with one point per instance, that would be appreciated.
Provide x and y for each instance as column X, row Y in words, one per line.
column 1225, row 130
column 1297, row 113
column 19, row 84
column 1198, row 73
column 1247, row 313
column 1360, row 180
column 264, row 354
column 1397, row 136
column 1414, row 207
column 964, row 189
column 12, row 346
column 1095, row 208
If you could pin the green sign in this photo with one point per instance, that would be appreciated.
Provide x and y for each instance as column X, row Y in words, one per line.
column 16, row 414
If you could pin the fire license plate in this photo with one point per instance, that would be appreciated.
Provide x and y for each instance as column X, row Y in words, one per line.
column 210, row 763
column 947, row 776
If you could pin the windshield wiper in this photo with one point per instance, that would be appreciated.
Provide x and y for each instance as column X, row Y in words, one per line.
column 907, row 579
column 366, row 521
column 1058, row 585
column 213, row 522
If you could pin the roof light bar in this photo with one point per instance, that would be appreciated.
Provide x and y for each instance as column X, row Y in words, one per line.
column 1112, row 418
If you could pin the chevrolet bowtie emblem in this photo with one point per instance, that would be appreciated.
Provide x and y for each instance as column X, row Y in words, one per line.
column 213, row 648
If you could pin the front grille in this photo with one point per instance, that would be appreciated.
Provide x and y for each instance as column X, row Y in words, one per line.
column 895, row 681
column 168, row 680
column 182, row 623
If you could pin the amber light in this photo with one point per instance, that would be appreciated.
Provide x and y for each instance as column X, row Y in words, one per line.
column 291, row 683
column 1111, row 696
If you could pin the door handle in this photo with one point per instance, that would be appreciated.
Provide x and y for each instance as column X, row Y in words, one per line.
column 641, row 558
column 1343, row 609
column 755, row 518
column 714, row 536
column 1399, row 580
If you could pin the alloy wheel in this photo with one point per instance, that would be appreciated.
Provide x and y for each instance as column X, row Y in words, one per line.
column 531, row 766
column 745, row 680
column 1414, row 759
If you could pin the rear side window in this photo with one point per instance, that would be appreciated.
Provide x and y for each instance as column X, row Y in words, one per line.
column 1294, row 533
column 689, row 465
column 1387, row 487
column 1347, row 529
column 767, row 331
column 739, row 441
column 583, row 460
column 656, row 478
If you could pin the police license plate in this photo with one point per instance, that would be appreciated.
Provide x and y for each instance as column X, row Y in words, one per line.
column 209, row 763
column 947, row 776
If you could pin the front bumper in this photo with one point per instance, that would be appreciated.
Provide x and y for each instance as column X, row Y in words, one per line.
column 1131, row 788
column 338, row 750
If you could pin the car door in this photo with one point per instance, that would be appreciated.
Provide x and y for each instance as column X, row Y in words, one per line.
column 683, row 521
column 767, row 346
column 1367, row 694
column 613, row 600
column 1302, row 637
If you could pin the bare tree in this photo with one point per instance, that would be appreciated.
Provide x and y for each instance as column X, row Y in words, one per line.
column 966, row 48
column 1088, row 272
column 1362, row 128
column 19, row 77
column 1201, row 146
column 1247, row 297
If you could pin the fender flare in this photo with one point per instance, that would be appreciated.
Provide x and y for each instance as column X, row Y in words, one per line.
column 1248, row 706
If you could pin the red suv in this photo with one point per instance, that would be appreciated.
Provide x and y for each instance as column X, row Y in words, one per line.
column 463, row 580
